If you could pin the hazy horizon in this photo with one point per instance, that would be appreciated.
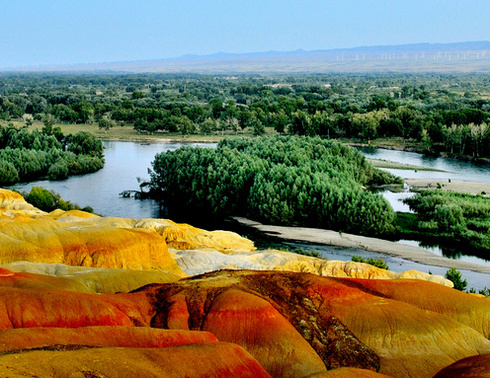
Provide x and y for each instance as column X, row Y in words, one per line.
column 53, row 32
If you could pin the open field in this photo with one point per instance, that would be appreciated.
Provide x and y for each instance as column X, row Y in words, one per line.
column 128, row 133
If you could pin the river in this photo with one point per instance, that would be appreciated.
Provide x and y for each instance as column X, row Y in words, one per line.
column 125, row 161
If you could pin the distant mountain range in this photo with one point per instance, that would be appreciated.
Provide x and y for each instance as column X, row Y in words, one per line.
column 422, row 57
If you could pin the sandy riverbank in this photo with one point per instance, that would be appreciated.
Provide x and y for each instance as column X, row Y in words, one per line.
column 470, row 187
column 328, row 237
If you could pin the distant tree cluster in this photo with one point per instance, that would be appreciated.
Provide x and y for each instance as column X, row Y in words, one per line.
column 281, row 180
column 440, row 113
column 28, row 156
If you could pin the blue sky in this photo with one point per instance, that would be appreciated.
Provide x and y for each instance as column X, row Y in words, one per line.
column 41, row 32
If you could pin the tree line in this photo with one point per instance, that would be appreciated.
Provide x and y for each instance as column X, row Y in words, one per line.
column 292, row 180
column 28, row 156
column 440, row 113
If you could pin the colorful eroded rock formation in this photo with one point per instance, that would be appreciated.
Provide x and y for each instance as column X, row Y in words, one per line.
column 275, row 314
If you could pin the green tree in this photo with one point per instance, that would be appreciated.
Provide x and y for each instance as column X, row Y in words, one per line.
column 455, row 277
column 106, row 122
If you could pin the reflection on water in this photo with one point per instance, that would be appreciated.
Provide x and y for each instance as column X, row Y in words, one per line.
column 445, row 251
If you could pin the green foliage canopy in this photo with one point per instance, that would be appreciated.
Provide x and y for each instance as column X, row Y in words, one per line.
column 282, row 180
column 28, row 156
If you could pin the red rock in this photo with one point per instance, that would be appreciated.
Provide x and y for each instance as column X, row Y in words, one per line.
column 344, row 320
column 463, row 307
column 22, row 308
column 39, row 281
column 195, row 360
column 470, row 367
column 130, row 337
column 251, row 322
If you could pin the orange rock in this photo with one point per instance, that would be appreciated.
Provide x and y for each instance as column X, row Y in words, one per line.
column 279, row 326
column 463, row 307
column 183, row 236
column 21, row 308
column 349, row 372
column 84, row 243
column 470, row 367
column 39, row 281
column 251, row 322
column 96, row 280
column 195, row 360
column 405, row 337
column 129, row 337
column 343, row 319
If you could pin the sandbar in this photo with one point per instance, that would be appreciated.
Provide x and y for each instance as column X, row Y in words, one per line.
column 329, row 237
column 469, row 187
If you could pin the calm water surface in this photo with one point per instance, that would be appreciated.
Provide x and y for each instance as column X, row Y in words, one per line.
column 124, row 162
column 452, row 168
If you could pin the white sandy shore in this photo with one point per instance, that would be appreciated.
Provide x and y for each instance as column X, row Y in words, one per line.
column 328, row 237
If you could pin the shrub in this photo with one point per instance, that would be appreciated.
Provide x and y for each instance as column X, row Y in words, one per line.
column 8, row 173
column 455, row 277
column 58, row 171
column 49, row 200
column 378, row 263
column 281, row 180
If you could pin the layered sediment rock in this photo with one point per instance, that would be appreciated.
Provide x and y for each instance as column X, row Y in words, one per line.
column 470, row 367
column 346, row 322
column 284, row 317
column 194, row 360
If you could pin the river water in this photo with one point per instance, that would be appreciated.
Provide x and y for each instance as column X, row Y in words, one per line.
column 450, row 168
column 126, row 161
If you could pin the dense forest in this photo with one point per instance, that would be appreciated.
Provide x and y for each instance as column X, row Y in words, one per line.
column 291, row 180
column 434, row 113
column 28, row 156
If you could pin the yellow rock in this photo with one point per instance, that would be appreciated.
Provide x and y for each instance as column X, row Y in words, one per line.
column 194, row 360
column 196, row 262
column 184, row 236
column 12, row 204
column 78, row 238
column 97, row 280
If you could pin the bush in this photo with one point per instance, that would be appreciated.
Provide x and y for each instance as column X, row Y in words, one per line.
column 58, row 171
column 49, row 200
column 28, row 156
column 8, row 173
column 378, row 263
column 282, row 180
column 455, row 277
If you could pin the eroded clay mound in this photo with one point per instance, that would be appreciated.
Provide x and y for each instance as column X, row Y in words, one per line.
column 194, row 262
column 194, row 360
column 348, row 372
column 345, row 322
column 128, row 337
column 86, row 279
column 470, row 367
column 81, row 239
column 22, row 280
column 28, row 308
